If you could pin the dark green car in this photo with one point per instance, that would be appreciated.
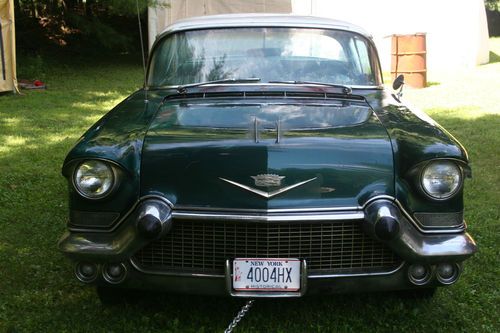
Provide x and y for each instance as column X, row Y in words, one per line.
column 263, row 158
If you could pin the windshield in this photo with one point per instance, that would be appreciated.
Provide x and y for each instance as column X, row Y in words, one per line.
column 271, row 54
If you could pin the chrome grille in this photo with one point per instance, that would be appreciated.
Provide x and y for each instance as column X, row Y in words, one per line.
column 204, row 246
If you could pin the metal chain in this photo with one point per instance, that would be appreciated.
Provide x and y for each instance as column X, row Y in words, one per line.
column 239, row 316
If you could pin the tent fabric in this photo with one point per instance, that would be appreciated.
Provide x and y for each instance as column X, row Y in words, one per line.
column 162, row 16
column 457, row 31
column 8, row 79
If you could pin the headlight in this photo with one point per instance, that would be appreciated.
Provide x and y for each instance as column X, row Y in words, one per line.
column 94, row 179
column 441, row 179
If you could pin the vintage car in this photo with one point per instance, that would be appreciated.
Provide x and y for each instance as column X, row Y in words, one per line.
column 264, row 158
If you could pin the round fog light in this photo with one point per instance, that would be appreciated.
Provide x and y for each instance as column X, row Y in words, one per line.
column 447, row 273
column 114, row 273
column 86, row 272
column 419, row 274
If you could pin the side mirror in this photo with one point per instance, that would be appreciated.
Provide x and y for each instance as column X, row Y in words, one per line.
column 398, row 84
column 400, row 80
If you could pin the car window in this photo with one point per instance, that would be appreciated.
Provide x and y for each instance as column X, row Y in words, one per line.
column 271, row 54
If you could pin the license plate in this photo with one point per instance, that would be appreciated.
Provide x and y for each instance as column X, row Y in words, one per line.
column 257, row 274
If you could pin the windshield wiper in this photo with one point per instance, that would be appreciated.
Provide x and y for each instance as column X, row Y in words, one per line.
column 182, row 89
column 346, row 89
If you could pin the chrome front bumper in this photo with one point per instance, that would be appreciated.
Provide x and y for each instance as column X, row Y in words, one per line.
column 220, row 285
column 409, row 243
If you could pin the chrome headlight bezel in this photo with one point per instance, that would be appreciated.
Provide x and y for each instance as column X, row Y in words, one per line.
column 459, row 173
column 113, row 179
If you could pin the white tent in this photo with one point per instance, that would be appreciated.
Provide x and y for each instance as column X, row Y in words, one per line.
column 457, row 31
column 173, row 10
column 8, row 80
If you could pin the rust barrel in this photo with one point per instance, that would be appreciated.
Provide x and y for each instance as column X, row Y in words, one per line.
column 409, row 58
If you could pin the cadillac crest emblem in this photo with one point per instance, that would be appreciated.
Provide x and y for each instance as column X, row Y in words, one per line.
column 268, row 180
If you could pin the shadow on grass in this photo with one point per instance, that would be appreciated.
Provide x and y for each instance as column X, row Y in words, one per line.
column 494, row 58
column 432, row 84
column 331, row 313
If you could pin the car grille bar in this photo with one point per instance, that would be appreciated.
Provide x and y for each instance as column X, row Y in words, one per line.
column 204, row 246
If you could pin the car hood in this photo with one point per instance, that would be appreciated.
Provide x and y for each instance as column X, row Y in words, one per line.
column 256, row 156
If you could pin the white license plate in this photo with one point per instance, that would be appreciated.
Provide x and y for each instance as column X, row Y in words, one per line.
column 258, row 274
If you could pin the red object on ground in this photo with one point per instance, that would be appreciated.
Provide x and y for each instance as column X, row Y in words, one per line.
column 28, row 84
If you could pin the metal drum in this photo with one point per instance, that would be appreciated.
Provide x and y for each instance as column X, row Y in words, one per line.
column 409, row 58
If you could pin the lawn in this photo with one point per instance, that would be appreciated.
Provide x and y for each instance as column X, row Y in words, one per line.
column 38, row 292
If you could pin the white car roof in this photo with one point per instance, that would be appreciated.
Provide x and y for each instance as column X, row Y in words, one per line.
column 260, row 20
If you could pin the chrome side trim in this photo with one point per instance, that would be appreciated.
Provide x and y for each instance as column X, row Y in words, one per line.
column 328, row 216
column 267, row 195
column 256, row 130
column 228, row 267
column 266, row 211
column 212, row 213
column 278, row 131
column 321, row 276
column 184, row 274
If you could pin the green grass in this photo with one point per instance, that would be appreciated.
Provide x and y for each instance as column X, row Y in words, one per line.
column 38, row 292
column 494, row 49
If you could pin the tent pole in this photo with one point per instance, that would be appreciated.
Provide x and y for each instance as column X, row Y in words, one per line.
column 2, row 52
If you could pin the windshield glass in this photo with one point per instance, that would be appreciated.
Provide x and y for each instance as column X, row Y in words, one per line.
column 271, row 54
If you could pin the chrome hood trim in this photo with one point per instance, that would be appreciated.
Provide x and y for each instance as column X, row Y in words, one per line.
column 265, row 194
column 280, row 217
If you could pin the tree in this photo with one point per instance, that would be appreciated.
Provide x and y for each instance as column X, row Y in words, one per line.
column 493, row 5
column 80, row 25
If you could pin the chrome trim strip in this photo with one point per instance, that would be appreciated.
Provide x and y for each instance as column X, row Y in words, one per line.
column 304, row 282
column 256, row 130
column 184, row 211
column 320, row 276
column 185, row 274
column 267, row 195
column 360, row 87
column 333, row 216
column 278, row 131
column 266, row 211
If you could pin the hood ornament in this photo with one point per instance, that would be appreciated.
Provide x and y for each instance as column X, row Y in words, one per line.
column 267, row 180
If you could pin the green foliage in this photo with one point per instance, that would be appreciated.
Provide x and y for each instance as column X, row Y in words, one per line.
column 129, row 7
column 95, row 35
column 33, row 67
column 91, row 26
column 38, row 292
column 492, row 4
